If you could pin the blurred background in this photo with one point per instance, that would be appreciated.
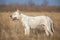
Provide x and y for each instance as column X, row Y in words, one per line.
column 30, row 5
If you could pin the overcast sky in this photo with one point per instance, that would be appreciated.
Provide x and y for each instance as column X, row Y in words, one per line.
column 37, row 2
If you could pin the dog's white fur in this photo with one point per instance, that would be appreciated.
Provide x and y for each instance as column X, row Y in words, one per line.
column 33, row 22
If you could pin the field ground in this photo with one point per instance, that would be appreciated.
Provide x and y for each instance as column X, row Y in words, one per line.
column 13, row 30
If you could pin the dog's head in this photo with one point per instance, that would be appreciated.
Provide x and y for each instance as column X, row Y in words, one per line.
column 15, row 15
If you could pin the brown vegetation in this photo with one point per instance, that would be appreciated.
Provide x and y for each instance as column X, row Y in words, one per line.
column 29, row 8
column 13, row 30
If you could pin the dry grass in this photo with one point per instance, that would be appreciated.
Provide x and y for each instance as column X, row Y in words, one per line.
column 29, row 8
column 13, row 30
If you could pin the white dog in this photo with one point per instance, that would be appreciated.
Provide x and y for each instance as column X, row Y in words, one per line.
column 33, row 22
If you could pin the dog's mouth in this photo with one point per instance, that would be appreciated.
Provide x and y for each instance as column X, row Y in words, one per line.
column 15, row 18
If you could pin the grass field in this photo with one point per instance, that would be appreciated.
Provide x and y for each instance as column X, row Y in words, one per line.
column 14, row 30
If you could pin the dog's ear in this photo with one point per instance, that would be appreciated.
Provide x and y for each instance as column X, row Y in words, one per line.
column 17, row 10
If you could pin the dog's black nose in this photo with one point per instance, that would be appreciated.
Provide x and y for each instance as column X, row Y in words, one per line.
column 10, row 15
